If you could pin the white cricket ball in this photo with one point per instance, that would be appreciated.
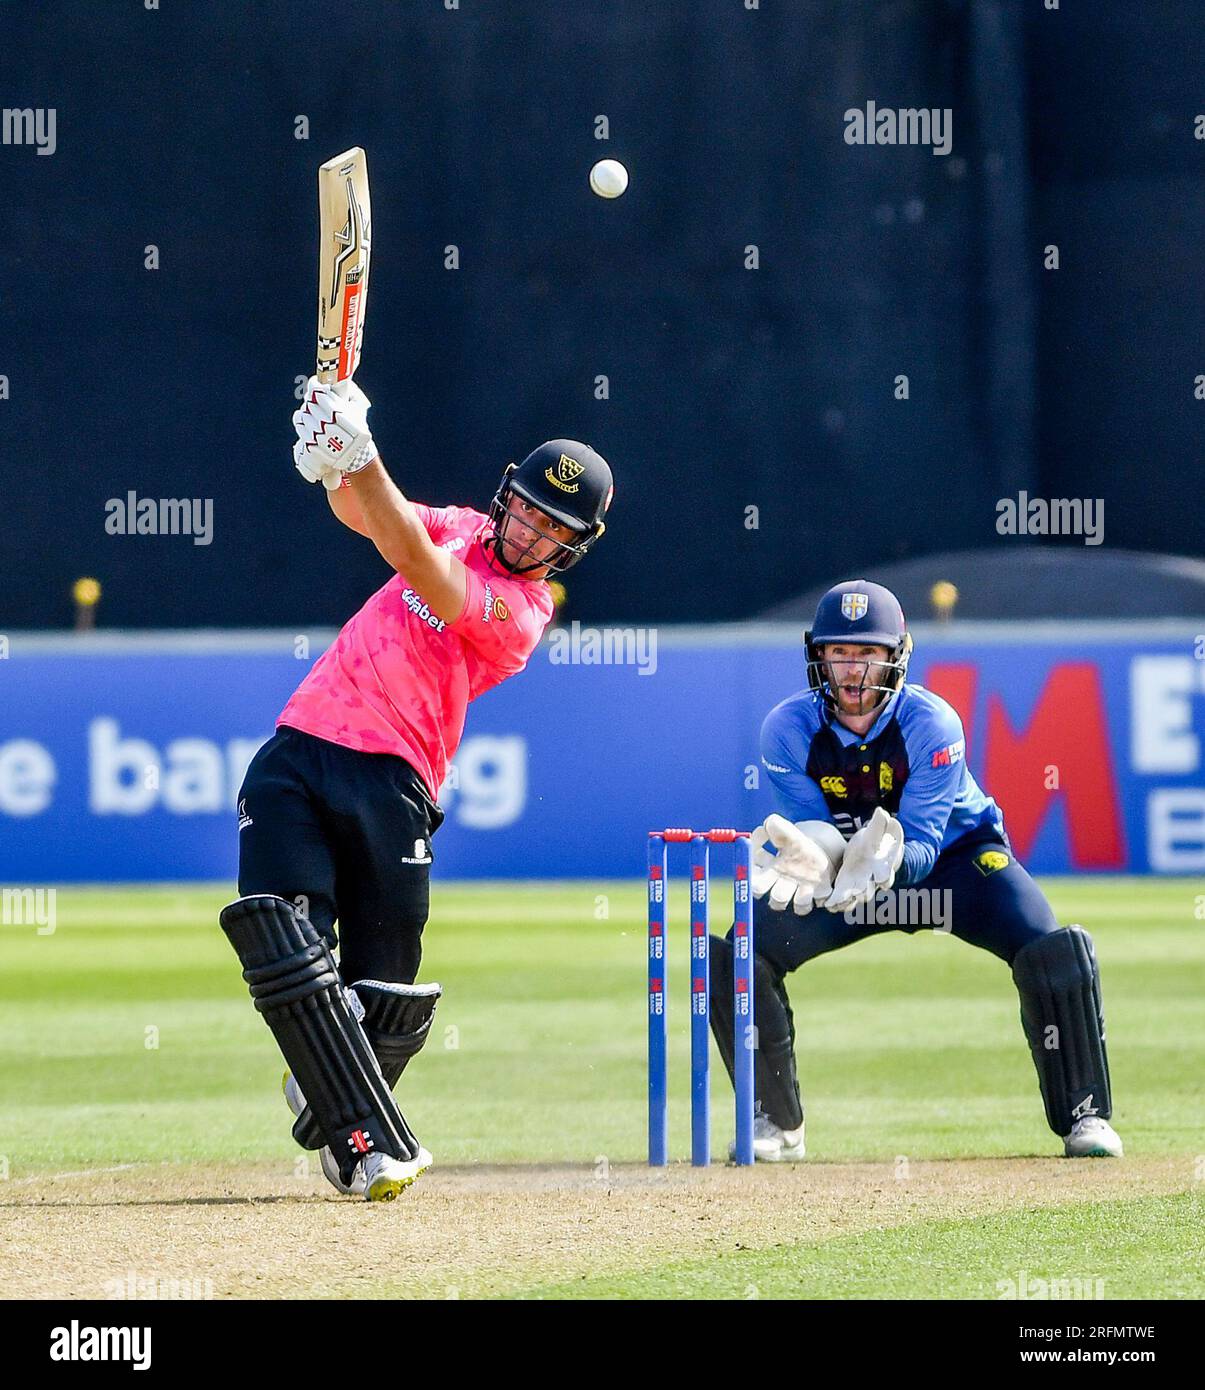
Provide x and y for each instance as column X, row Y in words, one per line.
column 608, row 178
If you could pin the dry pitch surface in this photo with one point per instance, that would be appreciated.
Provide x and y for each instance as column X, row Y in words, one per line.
column 143, row 1140
column 508, row 1231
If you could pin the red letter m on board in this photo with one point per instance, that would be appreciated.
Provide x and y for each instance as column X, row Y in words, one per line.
column 1067, row 730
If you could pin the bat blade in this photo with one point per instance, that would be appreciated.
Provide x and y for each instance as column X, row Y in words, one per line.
column 344, row 248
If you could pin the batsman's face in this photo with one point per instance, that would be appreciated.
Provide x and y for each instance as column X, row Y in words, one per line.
column 529, row 536
column 852, row 672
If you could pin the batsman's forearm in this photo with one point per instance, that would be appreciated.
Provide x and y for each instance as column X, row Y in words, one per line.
column 392, row 523
column 397, row 531
column 346, row 508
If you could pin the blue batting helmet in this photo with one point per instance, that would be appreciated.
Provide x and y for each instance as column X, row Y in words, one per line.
column 860, row 612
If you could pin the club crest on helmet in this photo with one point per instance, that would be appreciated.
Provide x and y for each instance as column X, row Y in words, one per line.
column 565, row 474
column 854, row 606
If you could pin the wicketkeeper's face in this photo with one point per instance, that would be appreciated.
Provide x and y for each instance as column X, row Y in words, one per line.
column 853, row 671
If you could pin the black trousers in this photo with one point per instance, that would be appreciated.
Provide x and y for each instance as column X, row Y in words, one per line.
column 347, row 836
column 992, row 902
column 977, row 888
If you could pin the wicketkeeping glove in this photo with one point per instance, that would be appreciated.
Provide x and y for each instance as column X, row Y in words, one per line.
column 871, row 860
column 333, row 438
column 801, row 873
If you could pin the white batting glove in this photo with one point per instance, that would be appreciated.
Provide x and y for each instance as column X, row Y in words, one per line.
column 871, row 860
column 333, row 438
column 801, row 873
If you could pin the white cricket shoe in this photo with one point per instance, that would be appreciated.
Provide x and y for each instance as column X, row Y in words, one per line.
column 385, row 1176
column 772, row 1144
column 378, row 1178
column 330, row 1169
column 1092, row 1137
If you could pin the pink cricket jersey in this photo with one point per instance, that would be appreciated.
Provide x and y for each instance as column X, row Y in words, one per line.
column 399, row 677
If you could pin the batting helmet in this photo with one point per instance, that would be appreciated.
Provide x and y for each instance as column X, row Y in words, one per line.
column 862, row 613
column 568, row 481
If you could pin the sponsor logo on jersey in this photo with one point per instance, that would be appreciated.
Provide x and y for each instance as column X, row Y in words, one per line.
column 835, row 786
column 886, row 777
column 420, row 610
column 244, row 820
column 775, row 767
column 494, row 607
column 565, row 474
column 990, row 860
column 854, row 606
column 455, row 544
column 421, row 854
column 946, row 757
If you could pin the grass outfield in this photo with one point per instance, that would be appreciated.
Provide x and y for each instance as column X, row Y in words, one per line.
column 1125, row 1248
column 126, row 1037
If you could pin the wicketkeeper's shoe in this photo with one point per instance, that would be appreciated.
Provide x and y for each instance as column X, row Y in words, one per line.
column 385, row 1177
column 330, row 1169
column 772, row 1144
column 1092, row 1137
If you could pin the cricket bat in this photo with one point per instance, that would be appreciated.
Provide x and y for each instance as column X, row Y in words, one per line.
column 345, row 240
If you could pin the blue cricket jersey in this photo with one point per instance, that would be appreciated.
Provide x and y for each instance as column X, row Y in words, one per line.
column 911, row 761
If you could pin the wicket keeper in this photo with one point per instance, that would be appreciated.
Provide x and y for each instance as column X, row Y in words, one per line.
column 875, row 798
column 338, row 808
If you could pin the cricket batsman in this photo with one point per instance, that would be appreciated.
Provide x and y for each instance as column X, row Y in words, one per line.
column 875, row 798
column 338, row 808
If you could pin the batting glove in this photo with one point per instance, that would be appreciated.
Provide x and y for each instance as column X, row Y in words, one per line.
column 333, row 438
column 871, row 860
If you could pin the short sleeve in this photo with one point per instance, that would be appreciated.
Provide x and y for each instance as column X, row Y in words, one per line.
column 503, row 620
column 436, row 520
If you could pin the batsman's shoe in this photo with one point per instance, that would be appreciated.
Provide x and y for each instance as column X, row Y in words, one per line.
column 772, row 1144
column 330, row 1169
column 1092, row 1137
column 385, row 1177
